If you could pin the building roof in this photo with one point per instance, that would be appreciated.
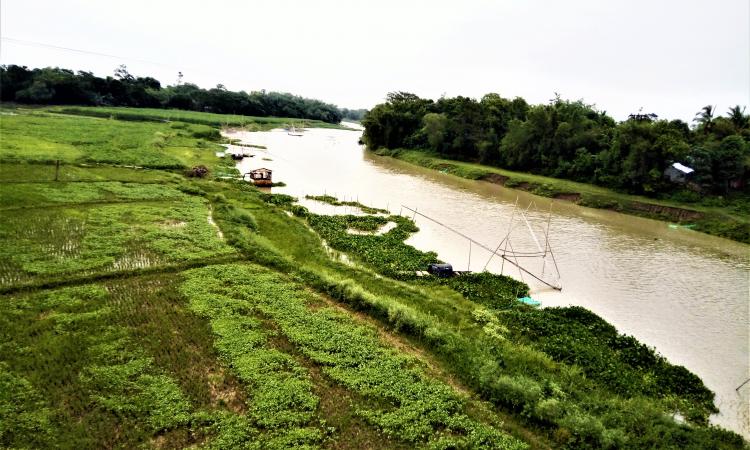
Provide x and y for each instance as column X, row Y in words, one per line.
column 684, row 169
column 262, row 169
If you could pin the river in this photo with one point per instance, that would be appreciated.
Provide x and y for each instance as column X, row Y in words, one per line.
column 685, row 293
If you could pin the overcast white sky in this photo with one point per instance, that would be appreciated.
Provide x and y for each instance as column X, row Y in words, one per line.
column 670, row 57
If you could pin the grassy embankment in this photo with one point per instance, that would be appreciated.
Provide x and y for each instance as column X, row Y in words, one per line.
column 128, row 320
column 114, row 333
column 251, row 123
column 728, row 218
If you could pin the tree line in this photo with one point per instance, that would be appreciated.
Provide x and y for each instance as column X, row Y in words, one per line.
column 569, row 139
column 64, row 87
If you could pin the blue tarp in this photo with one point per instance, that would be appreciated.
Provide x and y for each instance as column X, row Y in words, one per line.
column 529, row 301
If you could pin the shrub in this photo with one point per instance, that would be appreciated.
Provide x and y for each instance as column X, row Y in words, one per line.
column 517, row 391
column 548, row 410
column 200, row 171
column 211, row 134
column 299, row 211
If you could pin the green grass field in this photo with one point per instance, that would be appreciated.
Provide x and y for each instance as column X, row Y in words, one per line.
column 174, row 115
column 140, row 308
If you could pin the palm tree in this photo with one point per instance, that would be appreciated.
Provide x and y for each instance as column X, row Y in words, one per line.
column 705, row 117
column 737, row 117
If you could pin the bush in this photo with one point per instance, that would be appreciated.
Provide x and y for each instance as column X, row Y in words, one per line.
column 231, row 213
column 299, row 211
column 517, row 391
column 548, row 410
column 211, row 134
column 200, row 171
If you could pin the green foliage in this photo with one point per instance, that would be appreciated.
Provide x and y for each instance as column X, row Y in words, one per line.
column 26, row 195
column 278, row 199
column 488, row 289
column 231, row 213
column 42, row 244
column 619, row 362
column 239, row 356
column 46, row 139
column 39, row 173
column 406, row 404
column 537, row 388
column 435, row 128
column 25, row 419
column 64, row 87
column 180, row 119
column 724, row 216
column 566, row 139
column 387, row 252
column 88, row 370
column 281, row 390
column 331, row 200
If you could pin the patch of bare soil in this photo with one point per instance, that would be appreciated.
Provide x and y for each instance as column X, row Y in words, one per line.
column 673, row 213
column 495, row 178
column 570, row 197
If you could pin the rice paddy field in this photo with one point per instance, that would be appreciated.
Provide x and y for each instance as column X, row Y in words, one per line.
column 141, row 308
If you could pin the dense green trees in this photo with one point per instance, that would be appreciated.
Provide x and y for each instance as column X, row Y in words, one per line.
column 569, row 139
column 353, row 114
column 62, row 86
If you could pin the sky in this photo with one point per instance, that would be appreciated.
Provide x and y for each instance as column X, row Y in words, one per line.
column 669, row 57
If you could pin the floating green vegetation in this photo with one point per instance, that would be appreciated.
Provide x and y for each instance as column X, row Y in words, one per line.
column 488, row 289
column 577, row 336
column 387, row 253
column 336, row 202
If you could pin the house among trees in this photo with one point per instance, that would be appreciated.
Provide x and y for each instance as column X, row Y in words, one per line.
column 260, row 177
column 678, row 173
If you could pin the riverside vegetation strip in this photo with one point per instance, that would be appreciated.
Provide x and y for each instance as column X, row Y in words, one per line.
column 132, row 323
column 572, row 150
column 726, row 218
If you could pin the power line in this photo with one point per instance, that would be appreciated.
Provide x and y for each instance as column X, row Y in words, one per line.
column 87, row 52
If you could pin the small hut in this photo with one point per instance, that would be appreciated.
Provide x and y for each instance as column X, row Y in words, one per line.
column 678, row 173
column 260, row 177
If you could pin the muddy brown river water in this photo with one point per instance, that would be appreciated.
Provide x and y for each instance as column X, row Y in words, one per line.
column 685, row 293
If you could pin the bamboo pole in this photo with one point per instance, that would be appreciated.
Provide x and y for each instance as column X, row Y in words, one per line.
column 479, row 244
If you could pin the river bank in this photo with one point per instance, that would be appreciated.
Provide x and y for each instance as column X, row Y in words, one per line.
column 130, row 320
column 613, row 264
column 717, row 221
